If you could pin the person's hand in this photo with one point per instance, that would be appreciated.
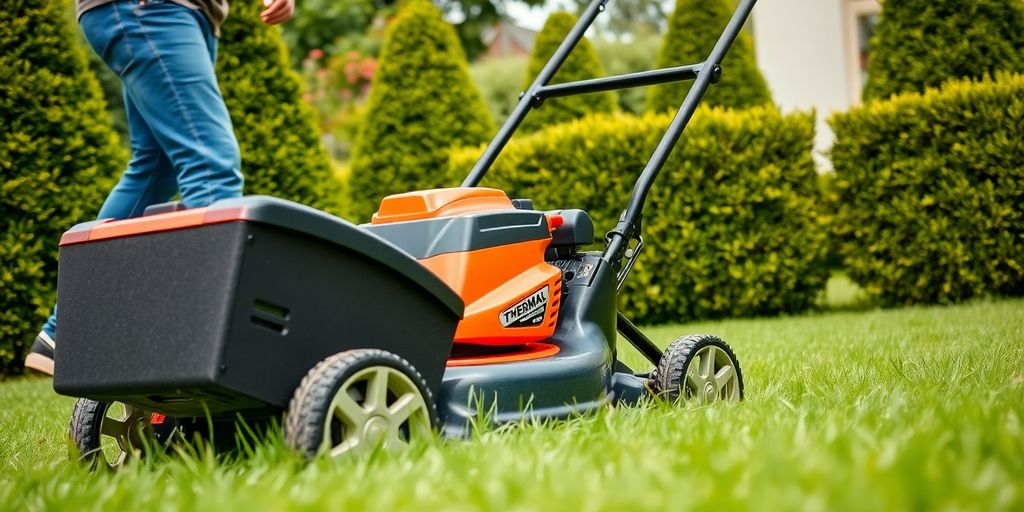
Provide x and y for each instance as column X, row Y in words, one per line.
column 277, row 11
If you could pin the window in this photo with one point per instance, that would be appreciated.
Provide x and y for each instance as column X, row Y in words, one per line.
column 861, row 17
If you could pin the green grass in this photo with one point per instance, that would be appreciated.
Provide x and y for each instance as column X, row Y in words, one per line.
column 909, row 409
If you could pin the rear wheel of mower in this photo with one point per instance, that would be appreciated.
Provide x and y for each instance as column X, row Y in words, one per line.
column 355, row 401
column 106, row 435
column 699, row 369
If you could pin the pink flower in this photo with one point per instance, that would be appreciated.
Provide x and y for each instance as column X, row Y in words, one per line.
column 316, row 54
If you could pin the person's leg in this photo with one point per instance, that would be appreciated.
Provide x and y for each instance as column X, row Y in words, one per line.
column 149, row 179
column 180, row 126
column 172, row 82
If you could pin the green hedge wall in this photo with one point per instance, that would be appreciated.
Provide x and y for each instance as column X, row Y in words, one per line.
column 58, row 158
column 421, row 104
column 277, row 131
column 922, row 43
column 929, row 192
column 731, row 224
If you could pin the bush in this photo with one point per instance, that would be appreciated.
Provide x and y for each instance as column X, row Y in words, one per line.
column 498, row 81
column 422, row 103
column 928, row 192
column 277, row 131
column 58, row 157
column 619, row 58
column 731, row 224
column 581, row 64
column 693, row 30
column 922, row 43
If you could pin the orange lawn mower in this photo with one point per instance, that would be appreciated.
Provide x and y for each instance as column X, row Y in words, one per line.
column 450, row 305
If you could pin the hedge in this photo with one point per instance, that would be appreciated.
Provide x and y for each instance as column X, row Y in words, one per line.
column 581, row 64
column 282, row 154
column 693, row 30
column 922, row 43
column 731, row 224
column 58, row 158
column 422, row 103
column 928, row 192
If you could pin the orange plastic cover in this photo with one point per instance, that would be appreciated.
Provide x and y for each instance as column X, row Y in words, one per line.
column 439, row 202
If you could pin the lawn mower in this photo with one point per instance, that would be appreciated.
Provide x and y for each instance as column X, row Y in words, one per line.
column 450, row 306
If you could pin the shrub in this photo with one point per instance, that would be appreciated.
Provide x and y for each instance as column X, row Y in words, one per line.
column 693, row 30
column 498, row 81
column 731, row 224
column 618, row 58
column 58, row 156
column 922, row 43
column 928, row 192
column 277, row 131
column 581, row 64
column 422, row 102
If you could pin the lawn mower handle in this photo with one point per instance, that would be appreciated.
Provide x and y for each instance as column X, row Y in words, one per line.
column 628, row 227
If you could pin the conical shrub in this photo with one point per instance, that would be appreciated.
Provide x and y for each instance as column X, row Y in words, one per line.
column 693, row 30
column 581, row 64
column 422, row 102
column 922, row 43
column 277, row 131
column 59, row 155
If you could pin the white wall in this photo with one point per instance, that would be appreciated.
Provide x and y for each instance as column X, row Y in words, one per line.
column 801, row 52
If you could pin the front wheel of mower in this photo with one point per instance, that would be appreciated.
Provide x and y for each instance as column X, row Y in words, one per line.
column 355, row 401
column 700, row 369
column 106, row 435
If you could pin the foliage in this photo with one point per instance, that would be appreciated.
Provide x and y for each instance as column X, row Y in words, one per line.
column 421, row 104
column 324, row 24
column 731, row 224
column 929, row 189
column 281, row 150
column 58, row 156
column 581, row 64
column 499, row 82
column 618, row 58
column 337, row 87
column 922, row 43
column 693, row 30
column 328, row 24
column 910, row 409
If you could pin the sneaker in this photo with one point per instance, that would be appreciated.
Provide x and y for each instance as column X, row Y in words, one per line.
column 40, row 357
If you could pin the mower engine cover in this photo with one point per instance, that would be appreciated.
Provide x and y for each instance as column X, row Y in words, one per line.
column 485, row 249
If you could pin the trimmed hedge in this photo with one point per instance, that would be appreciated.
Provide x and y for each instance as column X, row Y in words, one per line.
column 58, row 158
column 282, row 154
column 731, row 224
column 581, row 64
column 922, row 43
column 929, row 192
column 422, row 103
column 693, row 30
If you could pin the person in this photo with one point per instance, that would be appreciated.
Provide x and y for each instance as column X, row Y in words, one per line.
column 181, row 136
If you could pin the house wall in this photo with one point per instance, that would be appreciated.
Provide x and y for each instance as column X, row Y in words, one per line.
column 807, row 51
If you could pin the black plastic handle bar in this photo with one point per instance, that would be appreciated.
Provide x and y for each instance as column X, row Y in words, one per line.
column 628, row 227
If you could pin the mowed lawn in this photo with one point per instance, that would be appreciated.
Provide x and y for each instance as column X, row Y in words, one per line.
column 907, row 409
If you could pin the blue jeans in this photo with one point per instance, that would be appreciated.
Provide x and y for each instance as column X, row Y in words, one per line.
column 181, row 135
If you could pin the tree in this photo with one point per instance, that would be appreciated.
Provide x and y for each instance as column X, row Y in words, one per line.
column 422, row 103
column 277, row 132
column 693, row 29
column 922, row 43
column 58, row 158
column 325, row 24
column 581, row 64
